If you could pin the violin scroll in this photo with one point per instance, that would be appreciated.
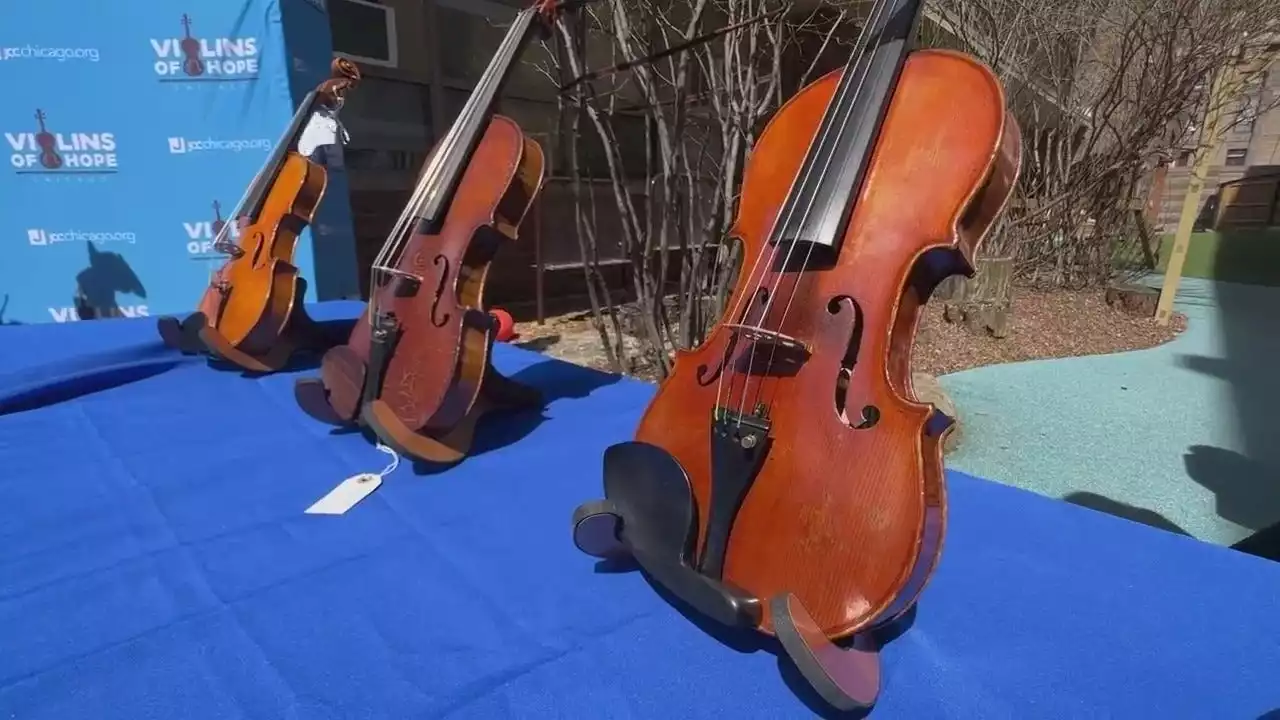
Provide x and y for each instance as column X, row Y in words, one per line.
column 344, row 76
column 549, row 10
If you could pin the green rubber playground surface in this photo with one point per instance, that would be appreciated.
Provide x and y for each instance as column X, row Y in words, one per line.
column 1183, row 436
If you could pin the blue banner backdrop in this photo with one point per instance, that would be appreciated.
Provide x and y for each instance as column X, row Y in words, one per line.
column 131, row 130
column 310, row 49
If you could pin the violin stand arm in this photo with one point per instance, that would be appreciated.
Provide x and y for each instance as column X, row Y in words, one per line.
column 451, row 444
column 847, row 678
column 183, row 335
column 445, row 449
column 334, row 397
column 650, row 515
column 219, row 347
column 497, row 392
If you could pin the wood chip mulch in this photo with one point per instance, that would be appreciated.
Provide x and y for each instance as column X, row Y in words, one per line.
column 1044, row 325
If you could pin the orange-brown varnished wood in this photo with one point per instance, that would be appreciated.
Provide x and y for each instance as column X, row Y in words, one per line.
column 263, row 280
column 849, row 520
column 434, row 376
column 251, row 311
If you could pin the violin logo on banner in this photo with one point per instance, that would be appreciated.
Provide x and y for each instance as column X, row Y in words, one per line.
column 191, row 58
column 44, row 152
column 201, row 234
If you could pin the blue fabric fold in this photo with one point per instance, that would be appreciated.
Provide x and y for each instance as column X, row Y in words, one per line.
column 79, row 375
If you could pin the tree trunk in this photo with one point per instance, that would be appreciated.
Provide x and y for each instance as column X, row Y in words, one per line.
column 983, row 303
column 1136, row 300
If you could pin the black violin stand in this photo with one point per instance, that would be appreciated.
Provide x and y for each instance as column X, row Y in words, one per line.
column 650, row 515
column 194, row 335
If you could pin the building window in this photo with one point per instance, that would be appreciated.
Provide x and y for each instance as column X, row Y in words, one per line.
column 364, row 30
column 470, row 33
column 389, row 114
column 1236, row 157
column 1184, row 159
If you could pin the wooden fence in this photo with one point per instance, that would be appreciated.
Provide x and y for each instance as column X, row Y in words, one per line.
column 1249, row 203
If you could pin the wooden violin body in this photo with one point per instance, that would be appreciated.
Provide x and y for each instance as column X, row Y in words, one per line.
column 428, row 392
column 251, row 314
column 849, row 520
column 258, row 290
column 416, row 369
column 790, row 444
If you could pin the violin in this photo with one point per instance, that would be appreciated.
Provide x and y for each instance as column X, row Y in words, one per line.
column 191, row 64
column 416, row 368
column 48, row 143
column 251, row 315
column 784, row 478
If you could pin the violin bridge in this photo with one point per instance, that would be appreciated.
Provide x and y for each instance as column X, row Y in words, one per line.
column 408, row 284
column 764, row 336
column 771, row 353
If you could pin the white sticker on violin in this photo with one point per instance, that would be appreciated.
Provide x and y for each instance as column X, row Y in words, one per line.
column 321, row 130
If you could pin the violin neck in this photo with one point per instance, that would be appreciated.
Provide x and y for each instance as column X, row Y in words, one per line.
column 252, row 203
column 818, row 208
column 444, row 168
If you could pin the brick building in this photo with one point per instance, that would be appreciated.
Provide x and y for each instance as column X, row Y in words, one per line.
column 1250, row 148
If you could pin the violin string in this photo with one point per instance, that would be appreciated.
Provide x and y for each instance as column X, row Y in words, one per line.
column 779, row 230
column 434, row 166
column 826, row 167
column 403, row 228
column 480, row 98
column 219, row 240
column 834, row 106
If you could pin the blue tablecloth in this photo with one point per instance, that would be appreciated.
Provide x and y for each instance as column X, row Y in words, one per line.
column 155, row 562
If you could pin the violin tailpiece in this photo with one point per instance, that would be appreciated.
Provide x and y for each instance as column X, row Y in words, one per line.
column 739, row 444
column 382, row 344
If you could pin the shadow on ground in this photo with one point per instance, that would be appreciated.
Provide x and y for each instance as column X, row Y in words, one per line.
column 1246, row 480
column 1177, row 436
column 1094, row 501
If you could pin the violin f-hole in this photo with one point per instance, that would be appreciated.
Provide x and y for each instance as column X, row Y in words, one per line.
column 439, row 321
column 869, row 415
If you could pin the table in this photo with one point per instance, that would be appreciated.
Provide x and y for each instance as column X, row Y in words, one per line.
column 155, row 562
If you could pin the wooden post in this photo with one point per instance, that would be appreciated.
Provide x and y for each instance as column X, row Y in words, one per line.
column 1191, row 203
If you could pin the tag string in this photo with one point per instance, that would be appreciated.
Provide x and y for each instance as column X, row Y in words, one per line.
column 395, row 461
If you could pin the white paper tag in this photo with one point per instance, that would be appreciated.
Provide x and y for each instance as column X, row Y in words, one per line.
column 345, row 496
